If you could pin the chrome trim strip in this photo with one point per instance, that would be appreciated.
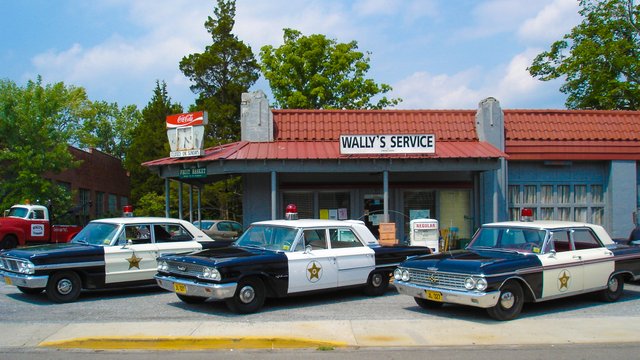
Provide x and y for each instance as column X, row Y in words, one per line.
column 69, row 265
column 196, row 288
column 24, row 280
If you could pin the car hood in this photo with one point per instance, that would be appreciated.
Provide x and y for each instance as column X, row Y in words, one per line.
column 473, row 261
column 227, row 255
column 58, row 253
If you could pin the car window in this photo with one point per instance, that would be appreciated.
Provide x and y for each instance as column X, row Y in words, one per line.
column 316, row 238
column 224, row 226
column 584, row 239
column 171, row 233
column 236, row 227
column 560, row 241
column 343, row 238
column 138, row 234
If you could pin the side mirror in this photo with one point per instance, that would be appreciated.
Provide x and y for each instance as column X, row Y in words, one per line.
column 127, row 243
column 307, row 249
column 552, row 254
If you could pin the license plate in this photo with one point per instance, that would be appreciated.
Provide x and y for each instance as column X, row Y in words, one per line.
column 180, row 288
column 7, row 281
column 434, row 295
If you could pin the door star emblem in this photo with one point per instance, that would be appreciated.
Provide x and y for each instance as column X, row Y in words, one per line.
column 563, row 280
column 314, row 271
column 134, row 261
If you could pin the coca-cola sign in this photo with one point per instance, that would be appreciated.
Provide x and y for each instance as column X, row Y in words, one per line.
column 187, row 119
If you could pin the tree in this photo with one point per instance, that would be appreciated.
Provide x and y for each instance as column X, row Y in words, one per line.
column 220, row 74
column 600, row 58
column 37, row 122
column 313, row 72
column 108, row 128
column 149, row 142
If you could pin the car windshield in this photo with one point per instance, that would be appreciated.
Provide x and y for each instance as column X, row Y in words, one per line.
column 18, row 212
column 268, row 237
column 96, row 234
column 509, row 238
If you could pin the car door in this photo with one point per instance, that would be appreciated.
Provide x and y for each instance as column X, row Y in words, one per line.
column 597, row 261
column 133, row 257
column 354, row 260
column 312, row 266
column 173, row 239
column 562, row 271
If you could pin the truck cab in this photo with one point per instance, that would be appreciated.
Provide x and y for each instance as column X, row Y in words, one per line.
column 31, row 223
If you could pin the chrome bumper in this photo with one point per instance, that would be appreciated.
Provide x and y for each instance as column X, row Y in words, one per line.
column 24, row 280
column 195, row 288
column 477, row 299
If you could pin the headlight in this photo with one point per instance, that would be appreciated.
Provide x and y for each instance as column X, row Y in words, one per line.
column 26, row 267
column 211, row 273
column 163, row 266
column 405, row 275
column 397, row 274
column 481, row 284
column 469, row 283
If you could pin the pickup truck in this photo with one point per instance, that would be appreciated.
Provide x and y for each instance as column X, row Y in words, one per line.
column 279, row 258
column 31, row 224
column 509, row 263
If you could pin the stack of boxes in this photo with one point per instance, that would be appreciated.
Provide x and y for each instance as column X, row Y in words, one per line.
column 388, row 234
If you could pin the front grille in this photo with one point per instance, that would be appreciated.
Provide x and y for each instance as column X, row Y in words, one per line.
column 9, row 264
column 181, row 268
column 437, row 279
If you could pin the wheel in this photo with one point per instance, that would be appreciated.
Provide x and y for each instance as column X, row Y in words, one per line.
column 510, row 302
column 191, row 299
column 64, row 286
column 249, row 296
column 377, row 284
column 9, row 242
column 30, row 291
column 614, row 289
column 428, row 304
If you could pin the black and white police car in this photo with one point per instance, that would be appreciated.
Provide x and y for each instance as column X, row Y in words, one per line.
column 284, row 257
column 509, row 263
column 116, row 252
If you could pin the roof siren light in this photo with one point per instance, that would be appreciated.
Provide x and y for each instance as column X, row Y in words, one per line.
column 127, row 211
column 526, row 214
column 291, row 213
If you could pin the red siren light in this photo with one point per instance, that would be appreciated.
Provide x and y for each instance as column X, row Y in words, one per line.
column 291, row 212
column 127, row 210
column 526, row 214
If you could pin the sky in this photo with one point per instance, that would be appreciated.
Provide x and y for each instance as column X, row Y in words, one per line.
column 435, row 54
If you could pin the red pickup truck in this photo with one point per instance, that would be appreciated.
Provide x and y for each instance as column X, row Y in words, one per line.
column 24, row 224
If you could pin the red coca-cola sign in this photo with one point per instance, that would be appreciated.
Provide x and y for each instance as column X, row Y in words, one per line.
column 187, row 119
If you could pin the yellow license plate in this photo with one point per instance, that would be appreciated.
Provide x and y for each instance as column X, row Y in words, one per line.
column 7, row 281
column 180, row 288
column 434, row 295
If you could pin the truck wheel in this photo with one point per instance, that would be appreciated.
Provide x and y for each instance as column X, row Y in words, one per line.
column 509, row 303
column 614, row 289
column 30, row 291
column 9, row 242
column 377, row 284
column 191, row 299
column 64, row 286
column 249, row 296
column 428, row 304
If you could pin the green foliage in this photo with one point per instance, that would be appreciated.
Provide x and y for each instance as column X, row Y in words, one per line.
column 108, row 128
column 149, row 142
column 220, row 75
column 150, row 204
column 37, row 122
column 223, row 200
column 600, row 58
column 313, row 72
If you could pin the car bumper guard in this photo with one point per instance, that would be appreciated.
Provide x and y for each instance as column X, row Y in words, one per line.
column 195, row 288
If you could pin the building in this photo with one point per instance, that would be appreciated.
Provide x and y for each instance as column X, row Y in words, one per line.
column 462, row 167
column 100, row 184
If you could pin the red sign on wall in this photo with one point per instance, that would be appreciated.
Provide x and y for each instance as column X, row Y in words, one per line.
column 188, row 119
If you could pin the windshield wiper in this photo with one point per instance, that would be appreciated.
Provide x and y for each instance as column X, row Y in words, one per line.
column 511, row 251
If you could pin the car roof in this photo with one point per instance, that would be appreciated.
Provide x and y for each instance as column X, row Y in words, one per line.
column 309, row 223
column 139, row 220
column 542, row 224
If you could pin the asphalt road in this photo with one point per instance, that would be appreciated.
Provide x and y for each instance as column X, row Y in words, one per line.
column 154, row 304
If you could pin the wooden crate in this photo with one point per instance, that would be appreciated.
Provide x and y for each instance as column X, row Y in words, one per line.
column 387, row 228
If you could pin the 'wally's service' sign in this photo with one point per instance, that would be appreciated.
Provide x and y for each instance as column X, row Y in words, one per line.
column 388, row 144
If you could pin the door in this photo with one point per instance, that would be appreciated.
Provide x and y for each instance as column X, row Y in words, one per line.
column 133, row 258
column 354, row 260
column 313, row 265
column 562, row 271
column 173, row 239
column 374, row 212
column 598, row 263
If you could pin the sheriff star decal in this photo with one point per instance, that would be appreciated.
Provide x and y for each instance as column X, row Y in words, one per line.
column 134, row 261
column 564, row 280
column 314, row 271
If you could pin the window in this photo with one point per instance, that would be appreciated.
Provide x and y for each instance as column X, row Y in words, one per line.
column 560, row 241
column 316, row 238
column 85, row 199
column 343, row 238
column 584, row 239
column 99, row 204
column 303, row 200
column 138, row 234
column 335, row 203
column 171, row 233
column 113, row 206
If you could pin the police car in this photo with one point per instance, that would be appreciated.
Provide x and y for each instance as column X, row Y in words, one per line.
column 509, row 263
column 106, row 253
column 284, row 257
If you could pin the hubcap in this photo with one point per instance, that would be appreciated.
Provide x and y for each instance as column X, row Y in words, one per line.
column 247, row 294
column 613, row 284
column 376, row 280
column 507, row 300
column 65, row 286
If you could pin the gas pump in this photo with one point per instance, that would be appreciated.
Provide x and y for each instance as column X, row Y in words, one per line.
column 424, row 232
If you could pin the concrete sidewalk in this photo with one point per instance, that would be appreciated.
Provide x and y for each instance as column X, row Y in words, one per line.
column 319, row 334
